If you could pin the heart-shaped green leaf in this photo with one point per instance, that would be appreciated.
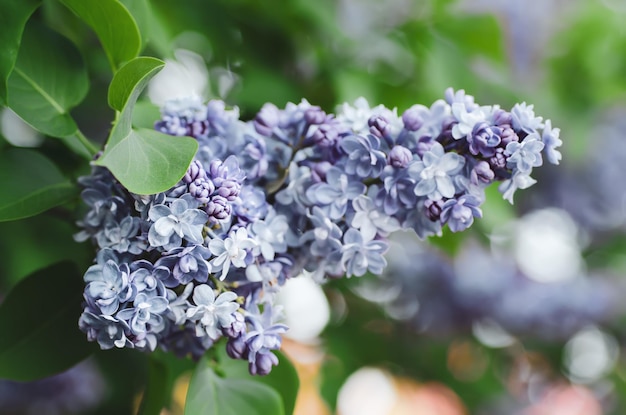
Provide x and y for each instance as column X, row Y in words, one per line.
column 147, row 162
column 115, row 26
column 30, row 184
column 39, row 324
column 144, row 161
column 13, row 18
column 48, row 80
column 210, row 394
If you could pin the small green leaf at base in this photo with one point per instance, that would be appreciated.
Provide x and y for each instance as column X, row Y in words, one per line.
column 39, row 324
column 210, row 394
column 149, row 162
column 143, row 160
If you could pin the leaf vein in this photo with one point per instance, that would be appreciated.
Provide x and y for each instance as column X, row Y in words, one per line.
column 41, row 91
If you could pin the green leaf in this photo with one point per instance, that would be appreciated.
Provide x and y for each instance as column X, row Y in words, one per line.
column 39, row 324
column 148, row 162
column 48, row 80
column 156, row 393
column 145, row 114
column 30, row 184
column 144, row 161
column 210, row 394
column 115, row 26
column 283, row 378
column 142, row 13
column 131, row 79
column 13, row 17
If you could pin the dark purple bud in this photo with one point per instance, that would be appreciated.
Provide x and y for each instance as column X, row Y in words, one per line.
column 218, row 208
column 433, row 209
column 237, row 328
column 482, row 173
column 263, row 363
column 379, row 126
column 498, row 160
column 318, row 171
column 202, row 189
column 399, row 157
column 194, row 172
column 314, row 115
column 424, row 145
column 483, row 139
column 325, row 135
column 508, row 135
column 198, row 128
column 446, row 128
column 237, row 348
column 502, row 118
column 267, row 119
column 412, row 120
column 229, row 189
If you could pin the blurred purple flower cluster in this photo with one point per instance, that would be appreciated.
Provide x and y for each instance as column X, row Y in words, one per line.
column 440, row 295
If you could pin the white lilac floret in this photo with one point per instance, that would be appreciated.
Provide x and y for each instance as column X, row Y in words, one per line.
column 294, row 189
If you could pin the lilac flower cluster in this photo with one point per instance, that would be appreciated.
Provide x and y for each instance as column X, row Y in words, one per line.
column 295, row 189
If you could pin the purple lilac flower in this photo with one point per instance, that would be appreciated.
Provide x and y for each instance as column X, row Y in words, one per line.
column 270, row 235
column 525, row 155
column 175, row 222
column 264, row 337
column 183, row 117
column 145, row 315
column 467, row 119
column 364, row 156
column 212, row 314
column 397, row 191
column 325, row 234
column 333, row 195
column 433, row 173
column 483, row 139
column 147, row 278
column 186, row 265
column 231, row 251
column 360, row 255
column 551, row 140
column 120, row 235
column 108, row 331
column 252, row 204
column 370, row 220
column 519, row 180
column 109, row 288
column 399, row 157
column 459, row 213
column 523, row 118
column 267, row 119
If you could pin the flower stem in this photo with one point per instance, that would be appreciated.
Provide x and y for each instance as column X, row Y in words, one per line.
column 86, row 143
